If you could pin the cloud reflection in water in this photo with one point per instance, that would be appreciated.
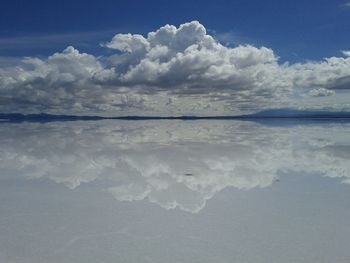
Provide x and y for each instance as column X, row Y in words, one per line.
column 175, row 164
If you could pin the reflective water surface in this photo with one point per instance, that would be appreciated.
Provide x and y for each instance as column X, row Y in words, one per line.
column 175, row 191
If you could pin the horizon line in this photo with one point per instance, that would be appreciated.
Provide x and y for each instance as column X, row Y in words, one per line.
column 264, row 115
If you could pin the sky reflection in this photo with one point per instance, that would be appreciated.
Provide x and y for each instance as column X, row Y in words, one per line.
column 174, row 164
column 174, row 191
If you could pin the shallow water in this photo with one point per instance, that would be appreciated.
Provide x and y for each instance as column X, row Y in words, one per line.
column 174, row 191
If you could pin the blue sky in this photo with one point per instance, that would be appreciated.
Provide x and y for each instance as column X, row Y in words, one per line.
column 174, row 57
column 295, row 30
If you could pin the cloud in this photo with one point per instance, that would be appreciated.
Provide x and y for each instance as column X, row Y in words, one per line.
column 347, row 4
column 171, row 71
column 346, row 53
column 332, row 73
column 230, row 38
column 173, row 164
column 37, row 42
column 321, row 92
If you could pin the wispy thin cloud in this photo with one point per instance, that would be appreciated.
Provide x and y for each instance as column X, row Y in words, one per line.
column 346, row 5
column 346, row 53
column 49, row 41
column 230, row 38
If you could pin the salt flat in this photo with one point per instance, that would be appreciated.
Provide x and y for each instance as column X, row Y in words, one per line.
column 174, row 191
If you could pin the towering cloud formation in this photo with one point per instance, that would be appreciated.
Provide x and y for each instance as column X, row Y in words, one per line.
column 170, row 71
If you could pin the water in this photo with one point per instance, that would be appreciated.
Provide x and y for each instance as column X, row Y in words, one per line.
column 175, row 191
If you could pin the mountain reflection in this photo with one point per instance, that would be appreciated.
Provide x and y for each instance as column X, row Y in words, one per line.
column 175, row 164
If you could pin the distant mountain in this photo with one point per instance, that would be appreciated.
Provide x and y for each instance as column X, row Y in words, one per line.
column 267, row 114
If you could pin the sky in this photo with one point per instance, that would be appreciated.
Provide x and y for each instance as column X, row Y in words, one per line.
column 173, row 57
